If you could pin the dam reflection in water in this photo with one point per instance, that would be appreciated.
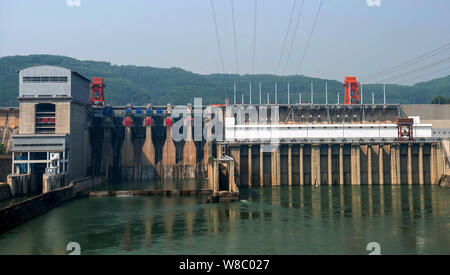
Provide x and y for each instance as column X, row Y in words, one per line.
column 269, row 220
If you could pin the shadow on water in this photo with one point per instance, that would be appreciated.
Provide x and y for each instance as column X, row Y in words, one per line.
column 185, row 184
column 267, row 220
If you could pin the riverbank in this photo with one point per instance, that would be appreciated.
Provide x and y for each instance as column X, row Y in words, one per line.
column 20, row 212
column 132, row 193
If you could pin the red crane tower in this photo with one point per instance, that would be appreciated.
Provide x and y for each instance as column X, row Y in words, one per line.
column 351, row 90
column 97, row 96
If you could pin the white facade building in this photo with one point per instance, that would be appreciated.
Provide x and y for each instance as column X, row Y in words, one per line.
column 267, row 132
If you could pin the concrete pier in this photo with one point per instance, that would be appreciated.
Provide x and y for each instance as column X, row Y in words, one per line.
column 250, row 170
column 421, row 164
column 168, row 156
column 261, row 166
column 189, row 149
column 410, row 167
column 330, row 165
column 341, row 164
column 189, row 155
column 355, row 164
column 290, row 165
column 370, row 163
column 301, row 171
column 380, row 164
column 433, row 164
column 393, row 154
column 275, row 167
column 148, row 156
column 127, row 163
column 207, row 152
column 315, row 164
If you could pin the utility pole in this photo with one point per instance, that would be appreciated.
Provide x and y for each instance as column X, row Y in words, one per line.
column 312, row 93
column 268, row 101
column 338, row 98
column 276, row 97
column 242, row 102
column 300, row 98
column 260, row 102
column 362, row 93
column 288, row 94
column 384, row 93
column 373, row 99
column 250, row 93
column 326, row 93
column 234, row 94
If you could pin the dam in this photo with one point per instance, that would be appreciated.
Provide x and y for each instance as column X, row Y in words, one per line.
column 61, row 145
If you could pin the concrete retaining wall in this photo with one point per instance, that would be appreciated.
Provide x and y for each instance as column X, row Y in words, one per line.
column 20, row 212
column 147, row 172
column 5, row 191
column 5, row 167
column 23, row 185
column 54, row 181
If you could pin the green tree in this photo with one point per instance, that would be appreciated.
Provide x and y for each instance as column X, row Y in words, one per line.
column 440, row 100
column 140, row 85
column 2, row 149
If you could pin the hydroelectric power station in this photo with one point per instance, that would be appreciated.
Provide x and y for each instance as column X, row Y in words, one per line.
column 63, row 140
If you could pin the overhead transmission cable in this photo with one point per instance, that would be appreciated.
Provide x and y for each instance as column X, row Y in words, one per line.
column 217, row 35
column 408, row 63
column 418, row 69
column 254, row 36
column 267, row 22
column 293, row 37
column 427, row 74
column 234, row 36
column 310, row 36
column 286, row 36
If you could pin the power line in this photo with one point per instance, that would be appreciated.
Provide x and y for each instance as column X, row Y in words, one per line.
column 310, row 36
column 294, row 36
column 409, row 63
column 418, row 69
column 254, row 36
column 267, row 20
column 427, row 74
column 286, row 35
column 217, row 35
column 234, row 35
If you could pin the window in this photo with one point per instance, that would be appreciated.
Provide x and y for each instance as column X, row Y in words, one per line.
column 44, row 79
column 45, row 118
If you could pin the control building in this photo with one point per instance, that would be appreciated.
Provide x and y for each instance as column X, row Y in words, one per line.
column 54, row 123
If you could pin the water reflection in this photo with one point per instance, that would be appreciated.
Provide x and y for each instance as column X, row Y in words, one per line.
column 184, row 184
column 280, row 220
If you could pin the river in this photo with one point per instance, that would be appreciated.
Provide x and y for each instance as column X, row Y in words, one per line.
column 269, row 220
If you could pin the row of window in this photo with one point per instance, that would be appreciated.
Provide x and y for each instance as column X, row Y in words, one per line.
column 38, row 145
column 40, row 79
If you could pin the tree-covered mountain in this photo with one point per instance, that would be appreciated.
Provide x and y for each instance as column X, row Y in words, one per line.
column 141, row 85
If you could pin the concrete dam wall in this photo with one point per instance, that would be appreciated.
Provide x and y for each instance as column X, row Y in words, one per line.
column 139, row 152
column 337, row 164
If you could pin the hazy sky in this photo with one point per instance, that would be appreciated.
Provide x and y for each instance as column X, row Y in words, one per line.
column 350, row 38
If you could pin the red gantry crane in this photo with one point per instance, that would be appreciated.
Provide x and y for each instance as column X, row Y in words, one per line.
column 351, row 90
column 97, row 96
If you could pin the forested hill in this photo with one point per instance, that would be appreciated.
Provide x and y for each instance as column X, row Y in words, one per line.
column 142, row 85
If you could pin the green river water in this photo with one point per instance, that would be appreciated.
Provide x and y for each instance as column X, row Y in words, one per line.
column 268, row 220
